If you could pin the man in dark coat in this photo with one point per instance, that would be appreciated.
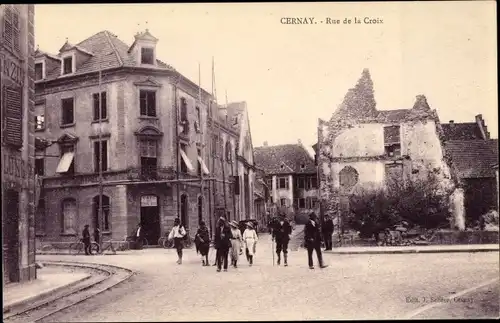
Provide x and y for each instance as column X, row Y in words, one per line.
column 138, row 237
column 86, row 239
column 312, row 237
column 222, row 243
column 327, row 229
column 281, row 234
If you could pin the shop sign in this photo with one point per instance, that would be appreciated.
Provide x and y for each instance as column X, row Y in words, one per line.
column 149, row 200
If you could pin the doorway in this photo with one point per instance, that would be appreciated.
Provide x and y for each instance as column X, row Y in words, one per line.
column 10, row 233
column 200, row 209
column 150, row 218
column 184, row 210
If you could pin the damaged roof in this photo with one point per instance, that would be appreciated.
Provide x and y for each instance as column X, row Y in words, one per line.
column 284, row 159
column 473, row 158
column 461, row 131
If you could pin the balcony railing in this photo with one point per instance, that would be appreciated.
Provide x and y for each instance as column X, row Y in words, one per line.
column 151, row 173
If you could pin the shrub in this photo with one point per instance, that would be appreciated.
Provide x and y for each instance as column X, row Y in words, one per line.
column 423, row 203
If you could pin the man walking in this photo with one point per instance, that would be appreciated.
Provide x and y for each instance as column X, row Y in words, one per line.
column 312, row 236
column 281, row 234
column 222, row 243
column 328, row 232
column 86, row 239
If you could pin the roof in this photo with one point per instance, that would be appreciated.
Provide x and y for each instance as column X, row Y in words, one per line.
column 473, row 158
column 108, row 52
column 461, row 131
column 291, row 157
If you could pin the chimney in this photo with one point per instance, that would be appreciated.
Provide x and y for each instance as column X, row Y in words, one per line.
column 300, row 142
column 265, row 143
column 452, row 121
column 482, row 126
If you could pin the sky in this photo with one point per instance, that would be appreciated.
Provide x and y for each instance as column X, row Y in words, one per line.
column 291, row 75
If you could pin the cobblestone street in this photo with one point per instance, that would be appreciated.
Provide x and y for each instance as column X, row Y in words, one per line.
column 352, row 287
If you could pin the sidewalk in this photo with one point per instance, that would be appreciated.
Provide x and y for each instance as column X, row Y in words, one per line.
column 49, row 280
column 415, row 249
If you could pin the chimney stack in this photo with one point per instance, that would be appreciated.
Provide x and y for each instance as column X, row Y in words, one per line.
column 300, row 142
column 452, row 121
column 265, row 143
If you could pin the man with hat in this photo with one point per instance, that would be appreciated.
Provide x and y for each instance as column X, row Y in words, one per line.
column 281, row 234
column 327, row 229
column 222, row 243
column 312, row 236
column 86, row 239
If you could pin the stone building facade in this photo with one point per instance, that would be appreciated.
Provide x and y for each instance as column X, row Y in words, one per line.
column 106, row 105
column 18, row 181
column 362, row 147
column 291, row 176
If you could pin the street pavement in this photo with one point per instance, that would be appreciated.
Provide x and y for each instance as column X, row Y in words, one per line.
column 352, row 287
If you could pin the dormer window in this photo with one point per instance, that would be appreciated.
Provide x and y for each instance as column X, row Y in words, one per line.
column 39, row 71
column 147, row 55
column 67, row 65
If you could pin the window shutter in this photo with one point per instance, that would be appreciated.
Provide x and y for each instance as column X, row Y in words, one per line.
column 13, row 127
column 8, row 28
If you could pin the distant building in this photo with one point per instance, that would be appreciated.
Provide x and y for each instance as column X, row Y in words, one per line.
column 361, row 146
column 163, row 145
column 290, row 174
column 473, row 156
column 18, row 179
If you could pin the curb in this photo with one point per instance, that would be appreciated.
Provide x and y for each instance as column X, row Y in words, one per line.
column 42, row 295
column 376, row 252
column 93, row 266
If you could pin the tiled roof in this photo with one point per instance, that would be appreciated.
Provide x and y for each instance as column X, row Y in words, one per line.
column 473, row 158
column 109, row 52
column 291, row 157
column 461, row 131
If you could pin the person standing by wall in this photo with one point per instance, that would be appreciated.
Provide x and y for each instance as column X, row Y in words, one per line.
column 250, row 239
column 86, row 239
column 312, row 236
column 177, row 234
column 236, row 243
column 222, row 242
column 281, row 234
column 327, row 229
column 138, row 237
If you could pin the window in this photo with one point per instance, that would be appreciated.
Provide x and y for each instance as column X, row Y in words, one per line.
column 283, row 183
column 147, row 103
column 147, row 55
column 69, row 213
column 314, row 182
column 11, row 33
column 39, row 166
column 67, row 65
column 392, row 141
column 302, row 203
column 105, row 221
column 214, row 145
column 39, row 72
column 40, row 218
column 197, row 124
column 13, row 117
column 184, row 167
column 283, row 202
column 199, row 162
column 229, row 153
column 311, row 202
column 149, row 157
column 100, row 155
column 68, row 109
column 200, row 209
column 184, row 118
column 100, row 107
column 348, row 178
column 67, row 161
column 393, row 173
column 301, row 182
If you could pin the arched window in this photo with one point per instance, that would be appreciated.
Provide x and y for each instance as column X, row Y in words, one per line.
column 105, row 223
column 40, row 218
column 229, row 152
column 69, row 215
column 200, row 209
column 348, row 178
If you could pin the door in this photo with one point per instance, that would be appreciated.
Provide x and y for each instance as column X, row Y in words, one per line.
column 184, row 211
column 150, row 218
column 11, row 236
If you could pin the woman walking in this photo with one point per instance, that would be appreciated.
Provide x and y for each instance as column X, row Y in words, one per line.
column 250, row 239
column 236, row 243
column 222, row 243
column 177, row 234
column 202, row 240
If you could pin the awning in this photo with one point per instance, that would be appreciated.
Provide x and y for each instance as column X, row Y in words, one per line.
column 65, row 162
column 187, row 161
column 203, row 166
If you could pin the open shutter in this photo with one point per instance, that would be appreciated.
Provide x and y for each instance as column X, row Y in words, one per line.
column 13, row 127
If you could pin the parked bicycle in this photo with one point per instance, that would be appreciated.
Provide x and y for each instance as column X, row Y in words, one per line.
column 102, row 248
column 132, row 239
column 78, row 247
column 165, row 243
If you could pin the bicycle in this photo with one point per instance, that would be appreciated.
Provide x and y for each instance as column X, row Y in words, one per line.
column 108, row 247
column 77, row 247
column 165, row 243
column 145, row 241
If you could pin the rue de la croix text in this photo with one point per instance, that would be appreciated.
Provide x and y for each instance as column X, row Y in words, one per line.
column 331, row 21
